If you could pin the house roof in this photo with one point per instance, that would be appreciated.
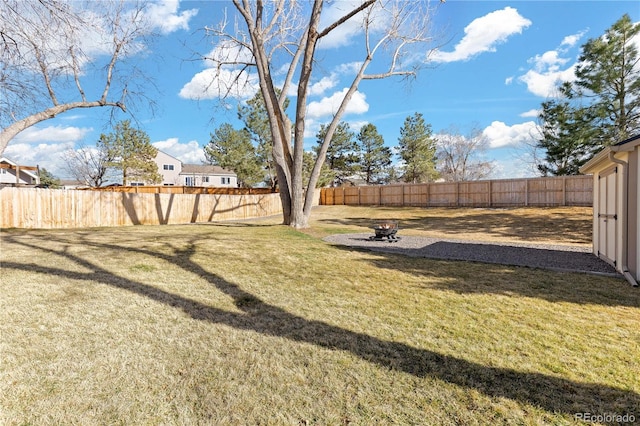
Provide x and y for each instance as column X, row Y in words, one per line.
column 622, row 146
column 205, row 169
column 168, row 155
column 72, row 182
column 6, row 160
column 630, row 141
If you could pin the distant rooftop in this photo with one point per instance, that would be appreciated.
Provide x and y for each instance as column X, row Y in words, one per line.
column 205, row 169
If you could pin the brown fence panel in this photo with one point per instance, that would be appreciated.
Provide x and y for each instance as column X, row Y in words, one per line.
column 579, row 191
column 546, row 191
column 474, row 194
column 391, row 195
column 509, row 193
column 330, row 196
column 351, row 195
column 338, row 195
column 50, row 208
column 443, row 194
column 369, row 195
column 416, row 194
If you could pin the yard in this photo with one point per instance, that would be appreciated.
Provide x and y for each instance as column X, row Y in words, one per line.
column 256, row 323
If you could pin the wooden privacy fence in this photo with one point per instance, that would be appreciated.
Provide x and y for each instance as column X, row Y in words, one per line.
column 543, row 192
column 181, row 190
column 51, row 208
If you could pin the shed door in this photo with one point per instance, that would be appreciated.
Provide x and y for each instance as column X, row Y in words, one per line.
column 607, row 215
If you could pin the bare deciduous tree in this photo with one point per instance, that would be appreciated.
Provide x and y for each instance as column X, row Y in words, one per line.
column 284, row 34
column 89, row 165
column 54, row 52
column 459, row 156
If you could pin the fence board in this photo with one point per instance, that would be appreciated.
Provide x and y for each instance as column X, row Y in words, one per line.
column 51, row 208
column 546, row 191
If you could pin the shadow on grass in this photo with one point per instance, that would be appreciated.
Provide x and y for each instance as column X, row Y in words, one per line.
column 552, row 394
column 498, row 261
column 500, row 223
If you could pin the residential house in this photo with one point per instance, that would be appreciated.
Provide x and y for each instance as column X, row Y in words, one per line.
column 169, row 167
column 14, row 174
column 207, row 175
column 616, row 206
column 73, row 184
column 174, row 172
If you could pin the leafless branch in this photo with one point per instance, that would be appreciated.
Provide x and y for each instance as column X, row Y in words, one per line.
column 48, row 56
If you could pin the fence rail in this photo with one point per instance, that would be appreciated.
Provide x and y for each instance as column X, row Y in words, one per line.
column 51, row 208
column 543, row 192
column 182, row 190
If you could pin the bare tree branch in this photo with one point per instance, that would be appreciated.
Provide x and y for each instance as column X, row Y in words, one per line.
column 53, row 45
column 286, row 33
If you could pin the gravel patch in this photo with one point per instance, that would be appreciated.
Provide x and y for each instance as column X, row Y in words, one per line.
column 533, row 255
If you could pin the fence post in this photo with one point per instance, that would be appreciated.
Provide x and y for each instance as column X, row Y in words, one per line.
column 490, row 185
column 427, row 193
column 564, row 191
column 526, row 192
column 380, row 195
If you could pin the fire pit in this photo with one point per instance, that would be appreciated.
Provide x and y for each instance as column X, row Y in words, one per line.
column 385, row 230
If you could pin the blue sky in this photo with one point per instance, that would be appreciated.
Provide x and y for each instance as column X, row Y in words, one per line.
column 499, row 63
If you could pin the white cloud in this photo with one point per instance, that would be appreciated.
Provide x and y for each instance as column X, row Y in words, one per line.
column 531, row 113
column 329, row 82
column 164, row 16
column 379, row 21
column 484, row 33
column 227, row 52
column 549, row 60
column 500, row 135
column 228, row 81
column 345, row 33
column 189, row 153
column 94, row 37
column 329, row 105
column 36, row 134
column 356, row 126
column 349, row 67
column 544, row 83
column 213, row 83
column 43, row 155
column 550, row 68
column 44, row 146
column 323, row 85
column 513, row 168
column 508, row 80
column 311, row 128
column 572, row 40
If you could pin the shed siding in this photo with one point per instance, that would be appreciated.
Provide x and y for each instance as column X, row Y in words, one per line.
column 626, row 156
column 608, row 210
column 634, row 213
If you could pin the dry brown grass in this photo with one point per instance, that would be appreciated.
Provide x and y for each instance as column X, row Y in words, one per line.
column 564, row 225
column 255, row 323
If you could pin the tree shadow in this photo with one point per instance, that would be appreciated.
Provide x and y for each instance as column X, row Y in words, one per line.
column 424, row 262
column 496, row 222
column 553, row 394
column 138, row 207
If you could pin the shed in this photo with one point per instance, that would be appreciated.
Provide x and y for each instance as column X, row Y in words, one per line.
column 616, row 206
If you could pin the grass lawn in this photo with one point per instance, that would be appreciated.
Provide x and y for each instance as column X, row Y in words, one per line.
column 256, row 323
